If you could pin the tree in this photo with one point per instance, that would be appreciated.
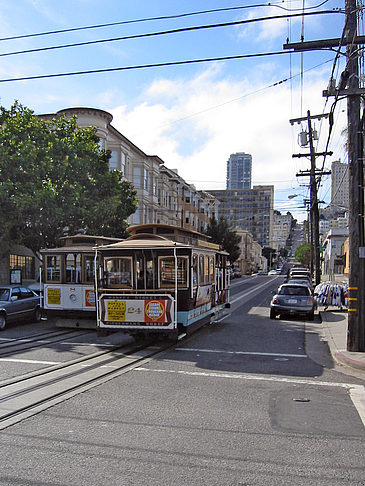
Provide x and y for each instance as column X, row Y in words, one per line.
column 269, row 254
column 303, row 254
column 223, row 235
column 53, row 176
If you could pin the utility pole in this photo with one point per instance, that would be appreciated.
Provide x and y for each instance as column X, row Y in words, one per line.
column 349, row 86
column 314, row 211
column 356, row 315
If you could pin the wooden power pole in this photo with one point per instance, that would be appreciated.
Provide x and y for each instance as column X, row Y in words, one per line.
column 313, row 209
column 356, row 316
column 351, row 88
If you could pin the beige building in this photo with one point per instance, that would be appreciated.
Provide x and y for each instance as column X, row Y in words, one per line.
column 281, row 230
column 163, row 196
column 250, row 259
column 249, row 209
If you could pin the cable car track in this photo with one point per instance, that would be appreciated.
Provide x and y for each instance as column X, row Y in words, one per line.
column 30, row 394
column 26, row 343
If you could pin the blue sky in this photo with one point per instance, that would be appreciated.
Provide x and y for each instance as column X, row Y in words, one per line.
column 192, row 116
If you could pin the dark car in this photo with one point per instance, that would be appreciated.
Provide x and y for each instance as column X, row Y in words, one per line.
column 18, row 302
column 293, row 299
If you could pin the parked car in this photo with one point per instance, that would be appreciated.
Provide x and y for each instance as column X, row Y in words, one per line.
column 236, row 273
column 293, row 299
column 273, row 272
column 302, row 281
column 18, row 302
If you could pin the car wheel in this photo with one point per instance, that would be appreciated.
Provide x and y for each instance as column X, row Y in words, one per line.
column 311, row 316
column 37, row 314
column 2, row 322
column 272, row 314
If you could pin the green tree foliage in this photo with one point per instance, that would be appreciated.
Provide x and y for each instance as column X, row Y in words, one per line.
column 303, row 254
column 223, row 235
column 269, row 254
column 53, row 175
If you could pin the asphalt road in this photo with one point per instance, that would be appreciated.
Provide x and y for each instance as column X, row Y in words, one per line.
column 241, row 402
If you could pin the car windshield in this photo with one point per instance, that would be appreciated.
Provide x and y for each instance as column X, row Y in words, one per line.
column 4, row 294
column 294, row 290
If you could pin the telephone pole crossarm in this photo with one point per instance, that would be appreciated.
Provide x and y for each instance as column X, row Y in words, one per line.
column 323, row 44
column 317, row 154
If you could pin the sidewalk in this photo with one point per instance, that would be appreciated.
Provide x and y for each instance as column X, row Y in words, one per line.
column 334, row 324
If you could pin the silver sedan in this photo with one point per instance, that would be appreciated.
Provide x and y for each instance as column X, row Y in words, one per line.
column 17, row 303
column 293, row 299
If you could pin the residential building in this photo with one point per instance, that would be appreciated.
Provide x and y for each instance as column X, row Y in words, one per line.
column 339, row 185
column 239, row 171
column 249, row 209
column 332, row 256
column 281, row 229
column 250, row 259
column 163, row 196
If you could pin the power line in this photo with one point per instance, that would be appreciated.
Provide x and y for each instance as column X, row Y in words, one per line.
column 147, row 19
column 141, row 66
column 166, row 32
column 146, row 66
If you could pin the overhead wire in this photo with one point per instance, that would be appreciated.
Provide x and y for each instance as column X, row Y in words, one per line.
column 148, row 19
column 145, row 66
column 166, row 32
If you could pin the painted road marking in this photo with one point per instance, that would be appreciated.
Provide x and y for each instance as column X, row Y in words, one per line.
column 356, row 392
column 31, row 361
column 254, row 289
column 250, row 353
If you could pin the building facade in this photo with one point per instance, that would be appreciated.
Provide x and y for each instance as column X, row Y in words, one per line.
column 163, row 196
column 239, row 171
column 281, row 229
column 251, row 210
column 339, row 185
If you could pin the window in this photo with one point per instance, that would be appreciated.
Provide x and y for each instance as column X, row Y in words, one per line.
column 195, row 269
column 53, row 265
column 73, row 267
column 201, row 270
column 123, row 163
column 206, row 269
column 88, row 268
column 167, row 271
column 137, row 177
column 118, row 272
column 114, row 160
column 25, row 263
column 211, row 269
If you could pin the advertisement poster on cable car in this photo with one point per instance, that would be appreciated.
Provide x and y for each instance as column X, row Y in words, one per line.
column 149, row 312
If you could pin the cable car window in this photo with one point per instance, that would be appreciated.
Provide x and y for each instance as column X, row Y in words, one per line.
column 167, row 271
column 53, row 265
column 89, row 268
column 119, row 272
column 206, row 269
column 201, row 270
column 195, row 269
column 211, row 269
column 73, row 267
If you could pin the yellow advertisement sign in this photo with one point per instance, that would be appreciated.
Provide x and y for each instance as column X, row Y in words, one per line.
column 115, row 310
column 54, row 296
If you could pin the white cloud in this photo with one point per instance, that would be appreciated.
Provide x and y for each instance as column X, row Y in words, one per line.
column 194, row 126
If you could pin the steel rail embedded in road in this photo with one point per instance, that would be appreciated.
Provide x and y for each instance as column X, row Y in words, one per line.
column 26, row 396
column 22, row 344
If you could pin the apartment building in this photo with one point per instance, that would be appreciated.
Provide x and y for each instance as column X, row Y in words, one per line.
column 239, row 171
column 281, row 229
column 249, row 209
column 163, row 196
